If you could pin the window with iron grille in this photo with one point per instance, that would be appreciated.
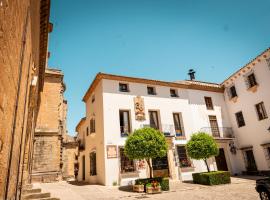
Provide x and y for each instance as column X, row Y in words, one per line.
column 123, row 87
column 92, row 125
column 151, row 90
column 124, row 122
column 126, row 164
column 251, row 80
column 209, row 103
column 240, row 119
column 93, row 164
column 232, row 92
column 184, row 160
column 178, row 124
column 261, row 112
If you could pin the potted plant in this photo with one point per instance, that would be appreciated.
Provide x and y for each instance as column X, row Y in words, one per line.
column 153, row 187
column 138, row 187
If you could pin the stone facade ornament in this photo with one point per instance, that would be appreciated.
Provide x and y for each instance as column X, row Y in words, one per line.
column 139, row 108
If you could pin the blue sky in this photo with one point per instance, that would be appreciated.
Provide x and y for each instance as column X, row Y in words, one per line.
column 156, row 39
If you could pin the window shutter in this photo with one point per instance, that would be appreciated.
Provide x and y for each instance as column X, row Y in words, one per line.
column 229, row 92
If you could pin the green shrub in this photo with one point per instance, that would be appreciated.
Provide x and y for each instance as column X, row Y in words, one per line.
column 212, row 178
column 165, row 184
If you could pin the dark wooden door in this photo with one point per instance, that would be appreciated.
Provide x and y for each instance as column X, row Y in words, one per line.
column 251, row 164
column 221, row 161
column 83, row 168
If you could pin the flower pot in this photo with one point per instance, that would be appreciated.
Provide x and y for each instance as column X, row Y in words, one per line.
column 153, row 190
column 138, row 188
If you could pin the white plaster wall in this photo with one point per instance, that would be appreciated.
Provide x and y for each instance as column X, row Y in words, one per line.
column 255, row 132
column 190, row 103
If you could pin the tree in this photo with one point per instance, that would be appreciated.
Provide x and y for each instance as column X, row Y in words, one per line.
column 202, row 146
column 146, row 143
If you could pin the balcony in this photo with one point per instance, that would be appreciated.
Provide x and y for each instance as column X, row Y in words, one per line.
column 81, row 145
column 168, row 130
column 219, row 132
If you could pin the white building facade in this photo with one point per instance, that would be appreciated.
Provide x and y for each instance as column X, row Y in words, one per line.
column 117, row 105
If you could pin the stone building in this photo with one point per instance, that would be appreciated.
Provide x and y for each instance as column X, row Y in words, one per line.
column 24, row 28
column 53, row 148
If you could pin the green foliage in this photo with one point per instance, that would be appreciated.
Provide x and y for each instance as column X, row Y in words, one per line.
column 165, row 184
column 202, row 146
column 212, row 178
column 115, row 183
column 148, row 185
column 145, row 143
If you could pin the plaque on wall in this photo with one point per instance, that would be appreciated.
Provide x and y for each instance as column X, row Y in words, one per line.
column 139, row 108
column 111, row 151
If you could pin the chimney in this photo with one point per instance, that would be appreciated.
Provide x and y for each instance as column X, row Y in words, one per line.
column 191, row 74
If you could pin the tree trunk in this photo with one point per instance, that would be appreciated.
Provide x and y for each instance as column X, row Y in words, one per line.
column 205, row 160
column 150, row 168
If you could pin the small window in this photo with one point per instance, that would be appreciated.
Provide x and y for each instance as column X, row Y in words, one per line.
column 209, row 103
column 154, row 119
column 240, row 119
column 184, row 161
column 124, row 122
column 93, row 164
column 173, row 93
column 151, row 90
column 87, row 131
column 92, row 125
column 232, row 92
column 261, row 112
column 123, row 87
column 251, row 80
column 126, row 164
column 93, row 98
column 268, row 62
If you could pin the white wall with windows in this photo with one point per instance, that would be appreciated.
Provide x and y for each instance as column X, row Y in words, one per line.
column 249, row 110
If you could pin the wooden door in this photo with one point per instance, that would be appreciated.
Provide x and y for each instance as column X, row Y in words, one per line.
column 221, row 161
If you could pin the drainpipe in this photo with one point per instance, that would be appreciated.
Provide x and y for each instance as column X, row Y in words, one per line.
column 16, row 104
column 21, row 144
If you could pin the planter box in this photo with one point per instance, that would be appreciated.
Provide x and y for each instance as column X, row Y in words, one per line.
column 152, row 190
column 138, row 188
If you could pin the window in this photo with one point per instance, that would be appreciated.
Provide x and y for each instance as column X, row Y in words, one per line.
column 92, row 125
column 93, row 98
column 125, row 164
column 232, row 92
column 261, row 113
column 240, row 119
column 268, row 62
column 184, row 161
column 153, row 118
column 124, row 123
column 151, row 90
column 87, row 131
column 209, row 103
column 177, row 124
column 123, row 87
column 251, row 80
column 93, row 164
column 173, row 93
column 268, row 152
column 214, row 125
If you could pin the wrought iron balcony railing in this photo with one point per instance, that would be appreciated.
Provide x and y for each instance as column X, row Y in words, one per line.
column 168, row 130
column 219, row 132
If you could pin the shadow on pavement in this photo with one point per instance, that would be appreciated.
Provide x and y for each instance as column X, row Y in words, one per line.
column 127, row 188
column 78, row 183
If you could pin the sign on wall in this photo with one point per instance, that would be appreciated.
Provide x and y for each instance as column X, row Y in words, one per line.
column 111, row 151
column 139, row 108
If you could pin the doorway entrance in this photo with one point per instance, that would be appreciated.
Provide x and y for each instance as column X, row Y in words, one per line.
column 250, row 160
column 160, row 167
column 221, row 161
column 83, row 168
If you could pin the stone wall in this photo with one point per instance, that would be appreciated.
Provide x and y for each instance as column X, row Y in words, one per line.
column 22, row 60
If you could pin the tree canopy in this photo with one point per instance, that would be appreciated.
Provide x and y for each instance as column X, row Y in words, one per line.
column 202, row 146
column 146, row 143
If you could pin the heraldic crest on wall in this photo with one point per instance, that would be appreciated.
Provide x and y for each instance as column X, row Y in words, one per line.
column 139, row 108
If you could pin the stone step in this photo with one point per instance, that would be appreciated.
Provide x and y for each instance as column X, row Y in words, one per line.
column 36, row 196
column 31, row 191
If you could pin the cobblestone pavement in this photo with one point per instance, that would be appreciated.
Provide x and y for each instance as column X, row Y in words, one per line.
column 240, row 189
